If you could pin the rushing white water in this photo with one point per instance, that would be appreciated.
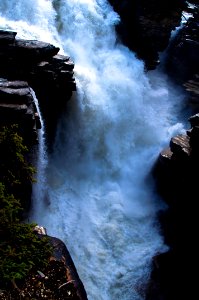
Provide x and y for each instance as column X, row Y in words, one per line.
column 101, row 201
column 39, row 187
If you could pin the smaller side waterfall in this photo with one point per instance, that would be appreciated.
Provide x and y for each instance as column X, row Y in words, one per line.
column 39, row 187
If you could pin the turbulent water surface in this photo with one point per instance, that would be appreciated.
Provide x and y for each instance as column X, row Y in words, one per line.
column 100, row 197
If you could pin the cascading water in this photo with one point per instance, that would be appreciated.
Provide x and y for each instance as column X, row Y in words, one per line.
column 101, row 202
column 39, row 188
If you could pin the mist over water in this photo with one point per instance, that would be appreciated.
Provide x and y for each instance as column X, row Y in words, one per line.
column 101, row 199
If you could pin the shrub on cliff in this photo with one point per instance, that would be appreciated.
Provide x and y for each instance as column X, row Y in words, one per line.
column 21, row 249
column 15, row 172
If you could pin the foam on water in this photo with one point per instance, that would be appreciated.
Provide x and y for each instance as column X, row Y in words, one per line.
column 101, row 197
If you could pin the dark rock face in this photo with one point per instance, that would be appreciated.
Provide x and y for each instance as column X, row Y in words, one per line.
column 61, row 259
column 183, row 61
column 27, row 67
column 53, row 83
column 192, row 87
column 177, row 182
column 176, row 177
column 17, row 107
column 61, row 254
column 7, row 37
column 146, row 26
column 48, row 73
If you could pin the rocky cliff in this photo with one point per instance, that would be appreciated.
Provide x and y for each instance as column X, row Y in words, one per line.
column 146, row 26
column 26, row 64
column 17, row 107
column 183, row 61
column 177, row 183
column 176, row 178
column 29, row 68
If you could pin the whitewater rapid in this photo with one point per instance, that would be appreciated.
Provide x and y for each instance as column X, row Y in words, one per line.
column 99, row 196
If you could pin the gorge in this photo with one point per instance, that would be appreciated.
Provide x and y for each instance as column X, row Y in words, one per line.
column 99, row 196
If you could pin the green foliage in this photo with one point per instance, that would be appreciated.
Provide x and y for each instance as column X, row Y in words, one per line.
column 21, row 249
column 14, row 167
column 15, row 172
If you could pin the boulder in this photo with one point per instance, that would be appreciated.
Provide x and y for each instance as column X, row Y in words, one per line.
column 62, row 254
column 65, row 278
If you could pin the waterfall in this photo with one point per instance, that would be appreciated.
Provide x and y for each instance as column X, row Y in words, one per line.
column 39, row 187
column 101, row 200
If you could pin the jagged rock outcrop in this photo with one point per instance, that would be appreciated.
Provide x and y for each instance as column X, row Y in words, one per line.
column 17, row 107
column 65, row 284
column 177, row 182
column 47, row 72
column 146, row 26
column 61, row 254
column 183, row 61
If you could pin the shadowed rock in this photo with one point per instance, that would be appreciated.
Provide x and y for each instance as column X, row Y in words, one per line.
column 146, row 26
column 47, row 72
column 7, row 37
column 177, row 182
column 17, row 107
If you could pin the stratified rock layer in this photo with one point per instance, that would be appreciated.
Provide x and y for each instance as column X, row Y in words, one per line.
column 17, row 107
column 48, row 73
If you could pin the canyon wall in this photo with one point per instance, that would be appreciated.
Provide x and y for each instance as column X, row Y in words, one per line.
column 146, row 26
